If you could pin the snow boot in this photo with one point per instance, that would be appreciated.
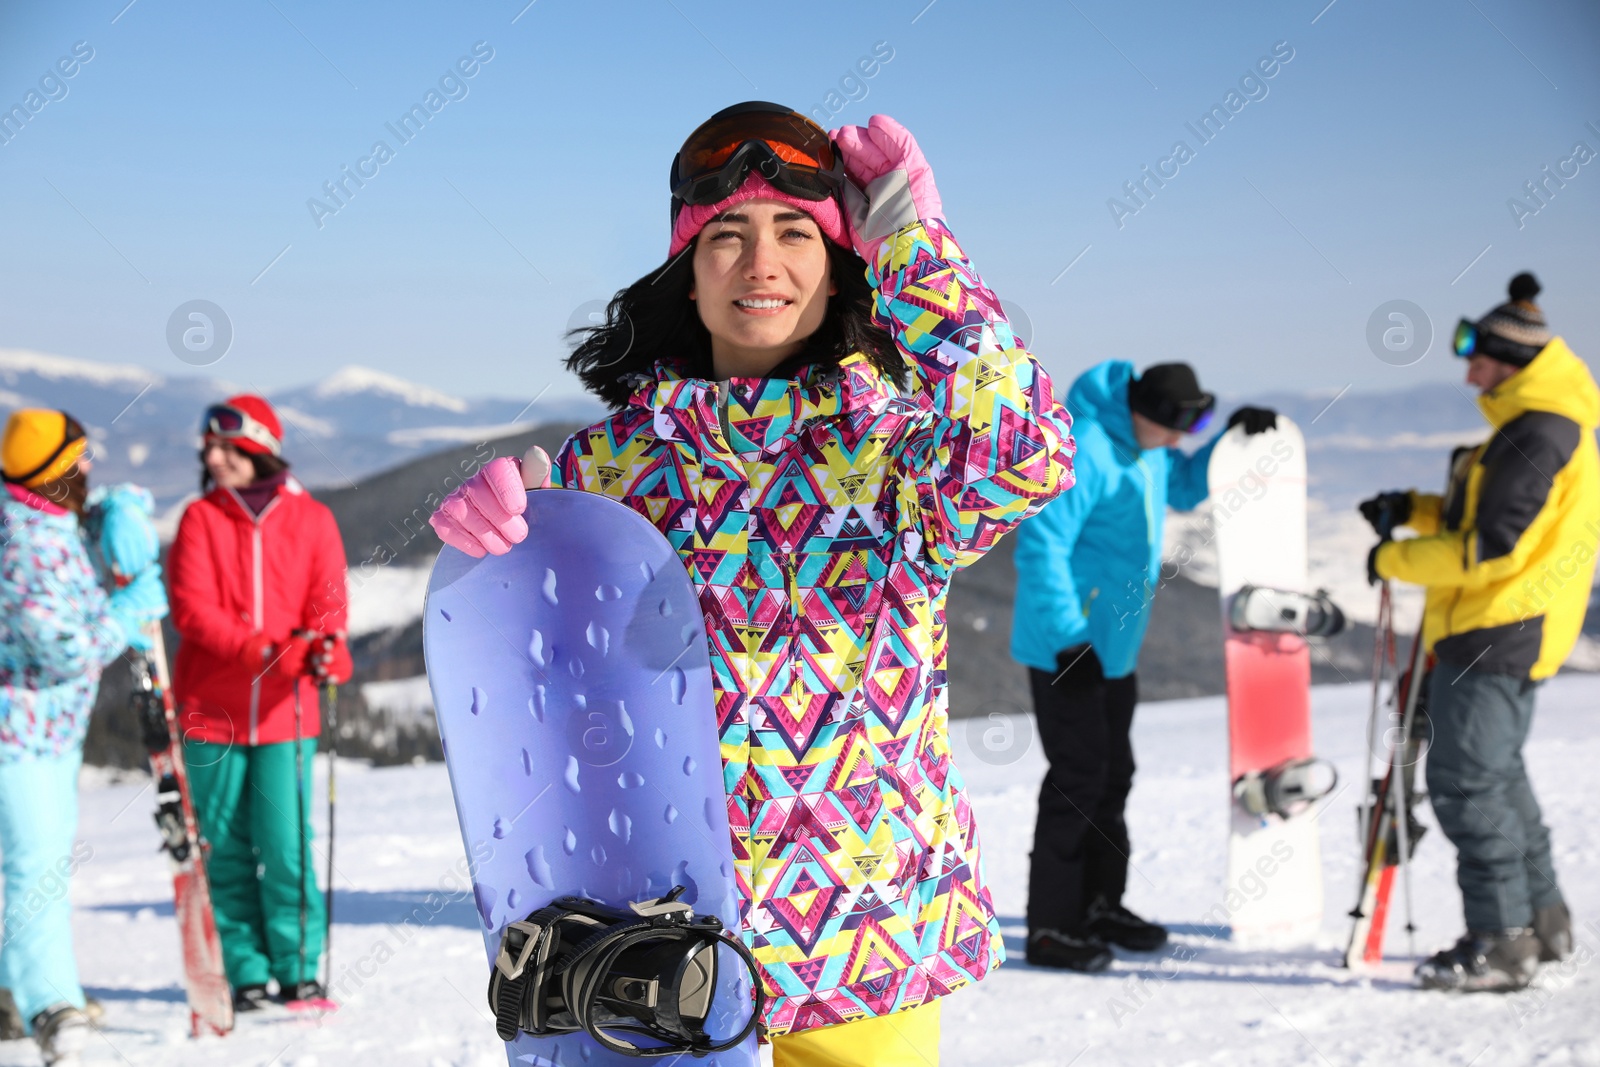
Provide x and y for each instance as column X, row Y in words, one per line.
column 250, row 998
column 1552, row 924
column 12, row 1027
column 62, row 1032
column 1116, row 925
column 1052, row 948
column 311, row 990
column 1496, row 962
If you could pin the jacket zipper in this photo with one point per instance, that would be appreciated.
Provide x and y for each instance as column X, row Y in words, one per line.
column 258, row 601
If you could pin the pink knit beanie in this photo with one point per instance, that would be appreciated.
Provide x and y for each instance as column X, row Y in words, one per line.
column 692, row 219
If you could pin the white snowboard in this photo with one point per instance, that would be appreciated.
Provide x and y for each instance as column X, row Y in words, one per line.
column 1258, row 498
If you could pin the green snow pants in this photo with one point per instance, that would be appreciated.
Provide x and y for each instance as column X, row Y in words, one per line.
column 244, row 798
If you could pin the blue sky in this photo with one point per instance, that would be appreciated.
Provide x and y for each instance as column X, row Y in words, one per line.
column 1375, row 164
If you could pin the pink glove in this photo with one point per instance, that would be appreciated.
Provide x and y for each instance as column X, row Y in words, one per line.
column 891, row 185
column 485, row 515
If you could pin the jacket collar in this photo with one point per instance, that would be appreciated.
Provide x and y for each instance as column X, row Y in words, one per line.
column 744, row 416
column 1556, row 381
column 234, row 506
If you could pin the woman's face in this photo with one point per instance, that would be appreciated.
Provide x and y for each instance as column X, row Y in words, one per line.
column 761, row 284
column 229, row 467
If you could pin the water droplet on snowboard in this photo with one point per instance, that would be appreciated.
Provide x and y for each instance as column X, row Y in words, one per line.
column 620, row 825
column 547, row 588
column 480, row 700
column 571, row 775
column 539, row 867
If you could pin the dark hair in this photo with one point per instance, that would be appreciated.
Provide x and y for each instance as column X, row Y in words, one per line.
column 654, row 319
column 265, row 466
column 70, row 490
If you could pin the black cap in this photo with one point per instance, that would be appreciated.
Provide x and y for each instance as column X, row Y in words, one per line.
column 1169, row 394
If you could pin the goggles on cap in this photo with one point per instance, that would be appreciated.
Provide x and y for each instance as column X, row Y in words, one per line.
column 228, row 423
column 1185, row 416
column 1471, row 341
column 791, row 152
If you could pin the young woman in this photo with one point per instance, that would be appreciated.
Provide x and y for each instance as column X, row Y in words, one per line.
column 58, row 630
column 258, row 584
column 825, row 411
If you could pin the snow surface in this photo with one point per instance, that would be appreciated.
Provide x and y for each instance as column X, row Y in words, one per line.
column 388, row 598
column 408, row 959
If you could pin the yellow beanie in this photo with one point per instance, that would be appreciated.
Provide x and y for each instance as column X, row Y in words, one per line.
column 40, row 446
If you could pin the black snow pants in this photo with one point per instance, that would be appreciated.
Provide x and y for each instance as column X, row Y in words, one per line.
column 1080, row 842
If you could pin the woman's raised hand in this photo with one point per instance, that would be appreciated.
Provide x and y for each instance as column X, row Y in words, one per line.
column 893, row 184
column 484, row 516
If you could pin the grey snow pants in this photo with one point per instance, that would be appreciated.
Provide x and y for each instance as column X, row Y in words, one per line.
column 1483, row 799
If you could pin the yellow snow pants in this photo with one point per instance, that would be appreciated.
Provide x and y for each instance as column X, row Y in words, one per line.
column 904, row 1039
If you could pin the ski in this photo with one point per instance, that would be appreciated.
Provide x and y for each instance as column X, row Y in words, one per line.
column 205, row 981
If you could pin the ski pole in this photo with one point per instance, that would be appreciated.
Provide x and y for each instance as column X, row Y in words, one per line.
column 333, row 763
column 1398, row 771
column 300, row 828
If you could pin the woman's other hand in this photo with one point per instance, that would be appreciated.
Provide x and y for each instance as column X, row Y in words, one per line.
column 891, row 185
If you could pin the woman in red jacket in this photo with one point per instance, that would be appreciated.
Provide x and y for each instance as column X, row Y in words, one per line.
column 258, row 597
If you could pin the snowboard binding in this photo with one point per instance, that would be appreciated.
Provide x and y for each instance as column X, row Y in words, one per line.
column 151, row 714
column 1255, row 608
column 649, row 970
column 1287, row 789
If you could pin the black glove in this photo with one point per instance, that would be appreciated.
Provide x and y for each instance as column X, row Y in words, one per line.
column 1254, row 420
column 1373, row 577
column 1386, row 511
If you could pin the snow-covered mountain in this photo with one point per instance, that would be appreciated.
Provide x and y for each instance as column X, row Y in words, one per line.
column 337, row 430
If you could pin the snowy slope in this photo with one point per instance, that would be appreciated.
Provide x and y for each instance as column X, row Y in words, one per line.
column 408, row 957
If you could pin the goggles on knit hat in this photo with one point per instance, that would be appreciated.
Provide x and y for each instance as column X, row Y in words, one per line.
column 1513, row 332
column 750, row 150
column 249, row 431
column 41, row 446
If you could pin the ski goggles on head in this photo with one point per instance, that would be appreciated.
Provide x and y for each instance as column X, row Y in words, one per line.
column 792, row 153
column 1470, row 341
column 228, row 423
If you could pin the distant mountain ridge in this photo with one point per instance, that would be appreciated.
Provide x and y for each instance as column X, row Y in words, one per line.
column 356, row 421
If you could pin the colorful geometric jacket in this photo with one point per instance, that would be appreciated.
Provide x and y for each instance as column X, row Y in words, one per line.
column 55, row 634
column 821, row 519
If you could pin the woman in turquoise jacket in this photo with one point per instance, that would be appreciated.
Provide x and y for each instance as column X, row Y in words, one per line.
column 58, row 630
column 1088, row 567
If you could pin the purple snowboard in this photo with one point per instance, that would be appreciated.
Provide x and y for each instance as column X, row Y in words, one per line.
column 572, row 682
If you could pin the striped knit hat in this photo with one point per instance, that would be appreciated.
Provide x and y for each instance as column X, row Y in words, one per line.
column 1519, row 319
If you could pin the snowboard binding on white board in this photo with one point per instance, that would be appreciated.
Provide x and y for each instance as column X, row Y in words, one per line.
column 1288, row 789
column 1284, row 611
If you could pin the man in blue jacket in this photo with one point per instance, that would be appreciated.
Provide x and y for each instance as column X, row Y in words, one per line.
column 1088, row 566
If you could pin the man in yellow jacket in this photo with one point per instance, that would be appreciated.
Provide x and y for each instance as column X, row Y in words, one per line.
column 1508, row 556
